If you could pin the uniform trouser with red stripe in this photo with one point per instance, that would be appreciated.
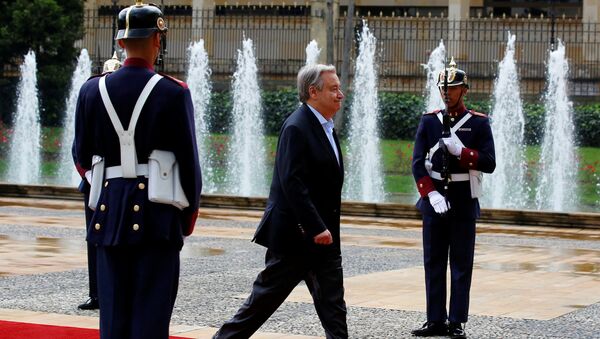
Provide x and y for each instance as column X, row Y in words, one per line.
column 448, row 238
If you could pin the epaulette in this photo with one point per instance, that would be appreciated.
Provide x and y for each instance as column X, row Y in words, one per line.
column 175, row 80
column 478, row 114
column 433, row 112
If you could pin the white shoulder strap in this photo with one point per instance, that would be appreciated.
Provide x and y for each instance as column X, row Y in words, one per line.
column 126, row 137
column 453, row 130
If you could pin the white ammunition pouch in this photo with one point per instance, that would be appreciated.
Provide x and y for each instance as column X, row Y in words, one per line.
column 164, row 183
column 97, row 176
column 162, row 170
column 474, row 177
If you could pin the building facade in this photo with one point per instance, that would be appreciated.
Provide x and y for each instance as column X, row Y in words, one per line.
column 473, row 31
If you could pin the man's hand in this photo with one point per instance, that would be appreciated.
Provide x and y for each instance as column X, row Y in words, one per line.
column 438, row 202
column 454, row 148
column 323, row 238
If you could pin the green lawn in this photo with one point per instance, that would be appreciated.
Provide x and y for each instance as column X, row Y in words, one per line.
column 397, row 156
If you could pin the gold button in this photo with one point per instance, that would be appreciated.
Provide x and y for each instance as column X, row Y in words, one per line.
column 136, row 227
column 471, row 154
column 451, row 119
column 136, row 208
column 106, row 183
column 102, row 207
column 141, row 185
column 420, row 185
column 470, row 164
column 97, row 227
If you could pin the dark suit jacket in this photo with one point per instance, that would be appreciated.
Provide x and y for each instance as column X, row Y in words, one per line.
column 305, row 194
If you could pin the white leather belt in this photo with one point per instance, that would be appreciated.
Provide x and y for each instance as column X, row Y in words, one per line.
column 453, row 177
column 117, row 171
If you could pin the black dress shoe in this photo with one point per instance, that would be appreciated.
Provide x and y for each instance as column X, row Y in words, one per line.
column 90, row 304
column 430, row 329
column 456, row 331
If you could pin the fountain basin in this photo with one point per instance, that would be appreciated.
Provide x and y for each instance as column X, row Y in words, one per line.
column 349, row 208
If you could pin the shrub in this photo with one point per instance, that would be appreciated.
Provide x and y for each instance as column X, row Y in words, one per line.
column 587, row 122
column 400, row 114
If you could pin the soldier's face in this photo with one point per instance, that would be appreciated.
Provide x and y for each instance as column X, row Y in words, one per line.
column 329, row 98
column 455, row 94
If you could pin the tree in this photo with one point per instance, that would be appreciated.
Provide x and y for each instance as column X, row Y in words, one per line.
column 49, row 28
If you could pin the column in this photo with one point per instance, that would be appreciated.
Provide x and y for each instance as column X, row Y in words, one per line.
column 591, row 26
column 458, row 11
column 318, row 26
column 202, row 16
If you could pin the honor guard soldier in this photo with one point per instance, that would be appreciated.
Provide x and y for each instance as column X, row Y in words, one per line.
column 92, row 303
column 145, row 179
column 447, row 168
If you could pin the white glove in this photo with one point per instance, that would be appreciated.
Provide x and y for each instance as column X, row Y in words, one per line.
column 440, row 206
column 454, row 148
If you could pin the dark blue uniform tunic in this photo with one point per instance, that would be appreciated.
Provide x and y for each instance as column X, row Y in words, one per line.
column 138, row 240
column 453, row 234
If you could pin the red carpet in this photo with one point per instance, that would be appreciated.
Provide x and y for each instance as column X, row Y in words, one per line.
column 17, row 330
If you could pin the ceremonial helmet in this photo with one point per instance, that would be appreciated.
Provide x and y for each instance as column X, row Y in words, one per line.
column 455, row 76
column 111, row 64
column 140, row 21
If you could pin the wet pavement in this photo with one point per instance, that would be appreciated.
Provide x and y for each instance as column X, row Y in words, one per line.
column 528, row 282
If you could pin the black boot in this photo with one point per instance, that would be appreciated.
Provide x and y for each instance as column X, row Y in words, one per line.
column 90, row 304
column 456, row 331
column 430, row 329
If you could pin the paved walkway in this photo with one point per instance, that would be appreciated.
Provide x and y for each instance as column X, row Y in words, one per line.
column 528, row 282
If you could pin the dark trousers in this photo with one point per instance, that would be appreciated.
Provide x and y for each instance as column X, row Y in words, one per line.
column 324, row 279
column 92, row 271
column 91, row 253
column 445, row 237
column 137, row 289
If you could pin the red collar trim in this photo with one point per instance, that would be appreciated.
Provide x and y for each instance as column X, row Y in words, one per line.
column 138, row 62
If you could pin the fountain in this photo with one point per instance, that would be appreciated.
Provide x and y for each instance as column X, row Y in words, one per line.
column 246, row 169
column 435, row 64
column 364, row 174
column 198, row 80
column 312, row 53
column 557, row 170
column 24, row 154
column 506, row 187
column 67, row 175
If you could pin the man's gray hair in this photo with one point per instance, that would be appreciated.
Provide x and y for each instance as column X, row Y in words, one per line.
column 310, row 75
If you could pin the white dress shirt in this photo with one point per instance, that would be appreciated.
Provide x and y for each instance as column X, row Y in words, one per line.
column 328, row 128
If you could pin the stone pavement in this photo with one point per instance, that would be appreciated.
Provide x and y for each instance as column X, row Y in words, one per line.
column 529, row 282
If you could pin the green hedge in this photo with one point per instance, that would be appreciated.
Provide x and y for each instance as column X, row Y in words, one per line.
column 400, row 114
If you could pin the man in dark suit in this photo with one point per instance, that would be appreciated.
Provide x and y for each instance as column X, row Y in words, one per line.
column 450, row 205
column 138, row 240
column 301, row 224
